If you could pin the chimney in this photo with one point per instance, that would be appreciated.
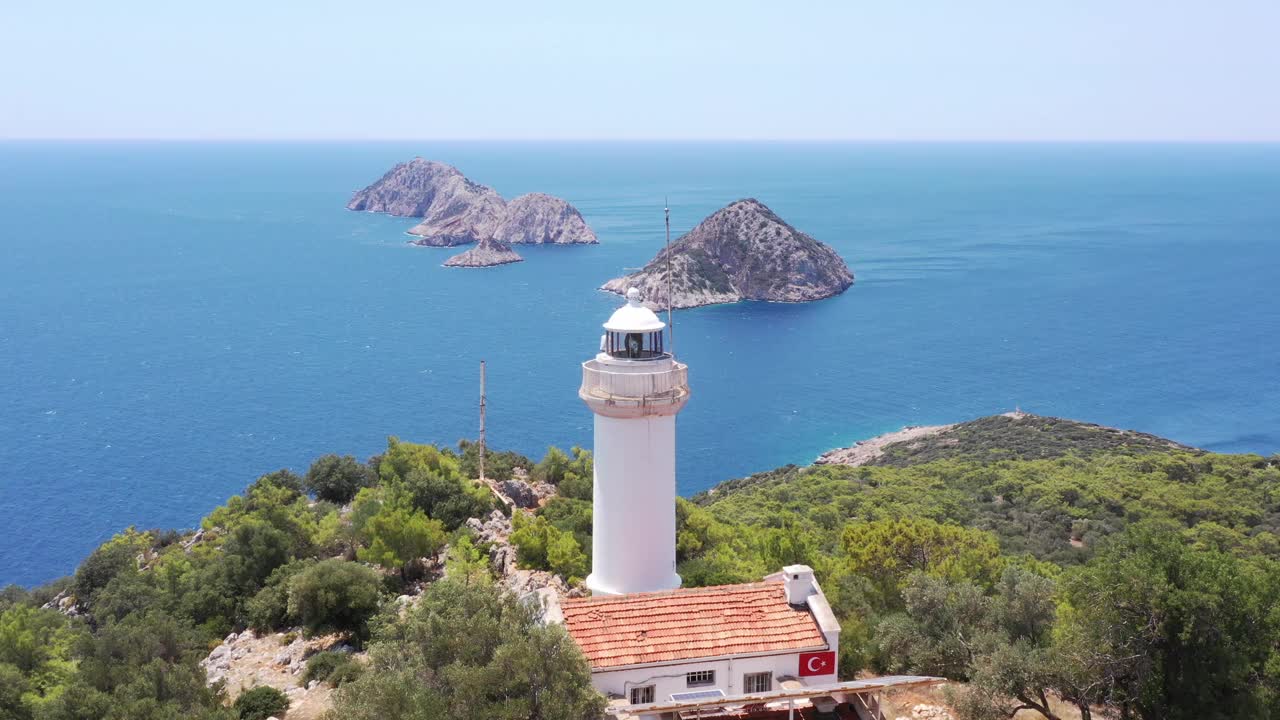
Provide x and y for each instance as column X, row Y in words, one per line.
column 798, row 581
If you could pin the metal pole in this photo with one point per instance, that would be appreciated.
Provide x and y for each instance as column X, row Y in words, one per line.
column 666, row 211
column 482, row 403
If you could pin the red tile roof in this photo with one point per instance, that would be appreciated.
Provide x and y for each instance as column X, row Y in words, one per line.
column 689, row 623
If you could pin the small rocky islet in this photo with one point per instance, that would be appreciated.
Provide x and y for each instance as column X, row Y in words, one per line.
column 458, row 211
column 741, row 252
column 486, row 253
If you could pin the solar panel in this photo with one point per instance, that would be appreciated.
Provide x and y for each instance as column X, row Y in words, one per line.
column 697, row 695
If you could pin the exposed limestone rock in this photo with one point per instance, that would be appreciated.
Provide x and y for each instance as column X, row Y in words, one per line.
column 525, row 583
column 502, row 559
column 195, row 539
column 65, row 603
column 245, row 659
column 486, row 253
column 525, row 494
column 494, row 529
column 928, row 712
column 741, row 252
column 541, row 219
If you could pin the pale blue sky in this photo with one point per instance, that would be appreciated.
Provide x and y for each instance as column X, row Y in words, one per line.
column 885, row 70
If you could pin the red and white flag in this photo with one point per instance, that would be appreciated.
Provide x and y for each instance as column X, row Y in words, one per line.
column 817, row 663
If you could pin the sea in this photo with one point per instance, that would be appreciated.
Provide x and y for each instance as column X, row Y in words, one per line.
column 177, row 319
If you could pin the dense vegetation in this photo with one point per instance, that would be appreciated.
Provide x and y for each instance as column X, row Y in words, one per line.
column 468, row 651
column 1019, row 436
column 1031, row 558
column 149, row 606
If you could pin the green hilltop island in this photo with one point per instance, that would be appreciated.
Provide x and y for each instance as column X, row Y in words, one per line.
column 1011, row 566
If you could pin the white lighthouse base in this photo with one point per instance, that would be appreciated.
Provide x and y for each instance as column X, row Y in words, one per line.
column 634, row 541
column 597, row 588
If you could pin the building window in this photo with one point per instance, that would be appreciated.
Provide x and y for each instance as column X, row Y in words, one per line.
column 700, row 678
column 757, row 682
column 642, row 695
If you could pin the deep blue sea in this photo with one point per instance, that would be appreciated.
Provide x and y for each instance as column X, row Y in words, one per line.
column 176, row 319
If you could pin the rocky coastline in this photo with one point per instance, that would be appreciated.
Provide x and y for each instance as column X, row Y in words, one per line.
column 1011, row 435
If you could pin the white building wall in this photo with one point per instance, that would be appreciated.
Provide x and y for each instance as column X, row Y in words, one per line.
column 634, row 537
column 669, row 679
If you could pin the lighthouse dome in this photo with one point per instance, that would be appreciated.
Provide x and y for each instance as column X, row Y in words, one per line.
column 634, row 317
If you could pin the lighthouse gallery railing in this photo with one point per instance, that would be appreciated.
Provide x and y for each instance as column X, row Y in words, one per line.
column 635, row 388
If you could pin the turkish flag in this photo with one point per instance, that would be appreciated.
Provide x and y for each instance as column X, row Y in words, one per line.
column 817, row 663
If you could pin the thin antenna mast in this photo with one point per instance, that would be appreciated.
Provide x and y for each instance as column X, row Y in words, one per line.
column 671, row 326
column 482, row 404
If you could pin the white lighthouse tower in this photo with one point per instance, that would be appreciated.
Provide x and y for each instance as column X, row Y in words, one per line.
column 635, row 389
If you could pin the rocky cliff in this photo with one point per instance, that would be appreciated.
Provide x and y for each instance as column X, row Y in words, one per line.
column 741, row 252
column 541, row 219
column 457, row 211
column 486, row 253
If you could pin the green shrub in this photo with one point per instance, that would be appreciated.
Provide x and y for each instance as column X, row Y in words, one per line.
column 334, row 595
column 254, row 549
column 346, row 672
column 435, row 482
column 471, row 649
column 542, row 546
column 332, row 667
column 399, row 535
column 498, row 464
column 110, row 559
column 13, row 595
column 282, row 478
column 268, row 610
column 337, row 478
column 260, row 703
column 13, row 685
column 572, row 475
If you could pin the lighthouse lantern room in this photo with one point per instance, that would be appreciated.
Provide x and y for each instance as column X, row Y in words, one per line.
column 634, row 388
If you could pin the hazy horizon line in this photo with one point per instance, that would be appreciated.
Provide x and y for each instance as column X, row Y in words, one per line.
column 834, row 140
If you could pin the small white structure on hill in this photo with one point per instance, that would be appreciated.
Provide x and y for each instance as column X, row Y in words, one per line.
column 715, row 641
column 635, row 389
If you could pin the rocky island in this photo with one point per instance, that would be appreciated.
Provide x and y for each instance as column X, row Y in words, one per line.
column 741, row 252
column 541, row 219
column 486, row 253
column 457, row 211
column 454, row 210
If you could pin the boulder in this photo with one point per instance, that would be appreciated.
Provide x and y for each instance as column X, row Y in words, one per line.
column 525, row 494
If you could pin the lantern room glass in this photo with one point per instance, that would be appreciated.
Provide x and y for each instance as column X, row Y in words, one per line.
column 634, row 345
